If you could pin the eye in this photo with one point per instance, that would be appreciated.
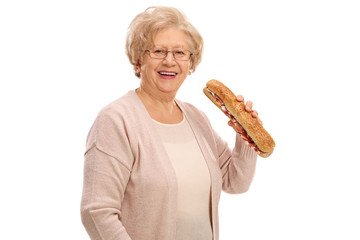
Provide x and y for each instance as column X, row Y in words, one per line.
column 158, row 51
column 179, row 52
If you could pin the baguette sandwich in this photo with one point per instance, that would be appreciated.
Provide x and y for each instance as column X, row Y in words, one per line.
column 252, row 132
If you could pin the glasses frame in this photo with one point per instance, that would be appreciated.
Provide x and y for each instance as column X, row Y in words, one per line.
column 167, row 52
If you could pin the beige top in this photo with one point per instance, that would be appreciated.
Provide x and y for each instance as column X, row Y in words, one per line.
column 193, row 178
column 130, row 187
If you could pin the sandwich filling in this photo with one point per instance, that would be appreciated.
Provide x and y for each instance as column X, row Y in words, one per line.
column 243, row 134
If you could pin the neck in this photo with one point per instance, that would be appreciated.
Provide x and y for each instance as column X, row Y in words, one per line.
column 155, row 97
column 161, row 108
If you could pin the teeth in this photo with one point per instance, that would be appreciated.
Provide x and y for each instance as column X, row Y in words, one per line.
column 167, row 73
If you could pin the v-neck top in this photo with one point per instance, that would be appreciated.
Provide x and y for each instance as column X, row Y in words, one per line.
column 193, row 180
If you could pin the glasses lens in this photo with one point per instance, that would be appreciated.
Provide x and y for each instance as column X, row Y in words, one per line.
column 157, row 53
column 181, row 54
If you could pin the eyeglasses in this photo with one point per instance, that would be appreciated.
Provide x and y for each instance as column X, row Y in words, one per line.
column 161, row 53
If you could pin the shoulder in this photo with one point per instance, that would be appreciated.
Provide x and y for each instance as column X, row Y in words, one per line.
column 127, row 108
column 194, row 113
column 115, row 120
column 112, row 131
column 119, row 105
column 191, row 110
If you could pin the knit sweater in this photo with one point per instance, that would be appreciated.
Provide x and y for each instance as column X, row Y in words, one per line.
column 130, row 186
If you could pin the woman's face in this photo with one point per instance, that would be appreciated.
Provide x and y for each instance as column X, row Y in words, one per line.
column 165, row 76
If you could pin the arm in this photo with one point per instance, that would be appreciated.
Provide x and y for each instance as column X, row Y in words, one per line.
column 238, row 168
column 105, row 180
column 107, row 170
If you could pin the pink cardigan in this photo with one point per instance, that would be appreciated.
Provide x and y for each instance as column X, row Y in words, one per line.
column 130, row 188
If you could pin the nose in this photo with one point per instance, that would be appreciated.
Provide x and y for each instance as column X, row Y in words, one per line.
column 169, row 59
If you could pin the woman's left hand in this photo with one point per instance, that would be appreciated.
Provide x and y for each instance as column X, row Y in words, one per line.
column 248, row 108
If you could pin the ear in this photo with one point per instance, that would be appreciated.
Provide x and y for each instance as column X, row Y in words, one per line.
column 189, row 73
column 138, row 67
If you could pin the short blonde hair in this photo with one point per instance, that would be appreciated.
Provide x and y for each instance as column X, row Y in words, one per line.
column 146, row 24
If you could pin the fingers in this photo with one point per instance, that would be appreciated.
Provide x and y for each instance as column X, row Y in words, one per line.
column 254, row 114
column 240, row 98
column 248, row 106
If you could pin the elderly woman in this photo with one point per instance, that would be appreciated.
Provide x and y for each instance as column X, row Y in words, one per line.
column 154, row 167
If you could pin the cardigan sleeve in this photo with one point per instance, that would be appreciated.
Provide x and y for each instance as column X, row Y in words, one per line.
column 237, row 166
column 105, row 181
column 107, row 168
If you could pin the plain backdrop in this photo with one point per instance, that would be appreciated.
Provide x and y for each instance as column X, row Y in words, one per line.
column 298, row 61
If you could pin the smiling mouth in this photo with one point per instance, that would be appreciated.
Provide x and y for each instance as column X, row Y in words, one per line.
column 168, row 73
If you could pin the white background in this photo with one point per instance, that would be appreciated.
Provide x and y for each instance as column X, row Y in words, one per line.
column 298, row 61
